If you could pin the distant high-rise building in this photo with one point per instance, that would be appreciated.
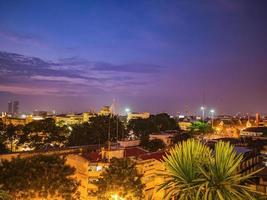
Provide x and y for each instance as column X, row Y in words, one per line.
column 15, row 107
column 9, row 109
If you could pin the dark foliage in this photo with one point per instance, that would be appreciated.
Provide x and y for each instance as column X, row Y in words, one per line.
column 38, row 176
column 179, row 137
column 96, row 132
column 154, row 145
column 120, row 177
column 44, row 134
column 155, row 123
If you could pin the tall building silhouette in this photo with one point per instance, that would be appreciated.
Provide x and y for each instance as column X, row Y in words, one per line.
column 15, row 107
column 9, row 108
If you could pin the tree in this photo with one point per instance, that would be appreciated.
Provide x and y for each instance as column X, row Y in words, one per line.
column 104, row 124
column 38, row 176
column 83, row 134
column 44, row 134
column 11, row 134
column 142, row 128
column 96, row 132
column 3, row 148
column 194, row 172
column 2, row 126
column 120, row 178
column 164, row 122
column 179, row 137
column 155, row 123
column 155, row 145
column 200, row 128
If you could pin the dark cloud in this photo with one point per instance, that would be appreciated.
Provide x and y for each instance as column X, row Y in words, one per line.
column 73, row 76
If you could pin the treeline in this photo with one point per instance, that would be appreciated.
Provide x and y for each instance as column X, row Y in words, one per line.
column 46, row 134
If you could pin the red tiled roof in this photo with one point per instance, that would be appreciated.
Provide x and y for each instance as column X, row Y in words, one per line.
column 93, row 156
column 134, row 151
column 155, row 155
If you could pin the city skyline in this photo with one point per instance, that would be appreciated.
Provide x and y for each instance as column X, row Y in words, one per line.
column 156, row 57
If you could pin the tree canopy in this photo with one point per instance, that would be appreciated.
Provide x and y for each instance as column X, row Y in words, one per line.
column 96, row 131
column 179, row 137
column 200, row 128
column 142, row 128
column 120, row 178
column 38, row 176
column 155, row 123
column 3, row 148
column 44, row 134
column 154, row 145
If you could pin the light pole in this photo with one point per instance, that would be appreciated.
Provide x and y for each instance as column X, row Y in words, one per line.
column 202, row 108
column 212, row 111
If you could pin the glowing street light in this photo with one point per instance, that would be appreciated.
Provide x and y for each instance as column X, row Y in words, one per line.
column 127, row 110
column 212, row 111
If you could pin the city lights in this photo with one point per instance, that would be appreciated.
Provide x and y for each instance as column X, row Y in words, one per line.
column 133, row 100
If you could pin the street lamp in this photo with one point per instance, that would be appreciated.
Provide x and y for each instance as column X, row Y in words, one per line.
column 202, row 108
column 127, row 110
column 212, row 111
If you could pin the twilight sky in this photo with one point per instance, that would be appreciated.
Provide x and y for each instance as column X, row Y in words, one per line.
column 156, row 56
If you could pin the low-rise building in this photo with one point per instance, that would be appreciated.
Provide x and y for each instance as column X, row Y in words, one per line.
column 68, row 119
column 129, row 143
column 165, row 137
column 254, row 132
column 135, row 115
column 17, row 121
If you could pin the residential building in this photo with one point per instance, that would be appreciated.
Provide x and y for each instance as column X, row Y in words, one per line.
column 135, row 115
column 69, row 119
column 165, row 137
column 17, row 121
column 254, row 132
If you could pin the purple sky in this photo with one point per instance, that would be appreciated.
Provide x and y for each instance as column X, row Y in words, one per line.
column 156, row 56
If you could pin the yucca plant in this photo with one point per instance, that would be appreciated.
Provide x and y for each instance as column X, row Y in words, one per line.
column 183, row 175
column 194, row 171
